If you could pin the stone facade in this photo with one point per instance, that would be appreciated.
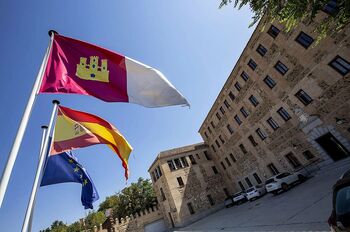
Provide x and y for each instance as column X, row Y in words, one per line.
column 187, row 185
column 299, row 88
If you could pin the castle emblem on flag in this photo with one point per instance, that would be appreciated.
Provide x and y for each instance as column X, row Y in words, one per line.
column 92, row 71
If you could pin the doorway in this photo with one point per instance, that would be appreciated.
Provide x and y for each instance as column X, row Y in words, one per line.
column 333, row 147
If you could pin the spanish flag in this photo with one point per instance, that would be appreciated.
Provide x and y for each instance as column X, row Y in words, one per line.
column 76, row 129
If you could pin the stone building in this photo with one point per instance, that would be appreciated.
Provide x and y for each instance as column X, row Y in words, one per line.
column 284, row 107
column 187, row 184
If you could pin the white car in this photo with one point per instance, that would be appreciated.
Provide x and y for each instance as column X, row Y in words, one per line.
column 239, row 197
column 255, row 192
column 282, row 181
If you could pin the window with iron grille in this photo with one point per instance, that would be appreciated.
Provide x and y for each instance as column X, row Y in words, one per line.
column 228, row 162
column 184, row 161
column 304, row 39
column 178, row 163
column 241, row 146
column 294, row 162
column 229, row 128
column 171, row 165
column 273, row 31
column 180, row 181
column 252, row 140
column 261, row 134
column 303, row 97
column 257, row 178
column 252, row 64
column 244, row 112
column 273, row 124
column 253, row 100
column 281, row 68
column 207, row 156
column 261, row 50
column 222, row 110
column 221, row 139
column 244, row 76
column 231, row 95
column 214, row 170
column 269, row 82
column 192, row 159
column 273, row 169
column 238, row 120
column 340, row 65
column 227, row 104
column 284, row 114
column 223, row 165
column 233, row 158
column 238, row 86
column 248, row 182
column 218, row 116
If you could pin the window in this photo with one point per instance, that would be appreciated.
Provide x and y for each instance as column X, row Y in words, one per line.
column 212, row 147
column 241, row 146
column 248, row 182
column 162, row 195
column 269, row 82
column 228, row 162
column 273, row 31
column 159, row 171
column 212, row 124
column 261, row 50
column 223, row 165
column 229, row 128
column 180, row 181
column 153, row 177
column 252, row 64
column 293, row 160
column 238, row 86
column 241, row 185
column 190, row 208
column 244, row 76
column 218, row 116
column 209, row 129
column 207, row 156
column 232, row 96
column 284, row 114
column 273, row 124
column 257, row 178
column 281, row 68
column 331, row 7
column 193, row 161
column 205, row 133
column 226, row 104
column 233, row 158
column 308, row 155
column 304, row 39
column 244, row 112
column 221, row 139
column 178, row 163
column 171, row 165
column 238, row 120
column 197, row 155
column 303, row 97
column 217, row 143
column 252, row 140
column 253, row 100
column 214, row 170
column 211, row 200
column 261, row 134
column 184, row 161
column 222, row 110
column 227, row 193
column 273, row 169
column 341, row 65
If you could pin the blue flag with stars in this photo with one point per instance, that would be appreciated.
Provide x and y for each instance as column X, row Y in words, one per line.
column 64, row 167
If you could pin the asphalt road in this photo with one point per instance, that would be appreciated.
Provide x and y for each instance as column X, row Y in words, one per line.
column 305, row 207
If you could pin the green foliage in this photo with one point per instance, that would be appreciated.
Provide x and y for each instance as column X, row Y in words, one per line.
column 75, row 227
column 131, row 200
column 94, row 219
column 56, row 226
column 291, row 12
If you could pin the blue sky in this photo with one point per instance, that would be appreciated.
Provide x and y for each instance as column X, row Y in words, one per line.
column 192, row 42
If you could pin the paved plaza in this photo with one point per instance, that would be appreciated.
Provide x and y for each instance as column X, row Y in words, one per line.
column 306, row 207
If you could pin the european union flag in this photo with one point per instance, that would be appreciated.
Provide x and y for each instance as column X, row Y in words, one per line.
column 63, row 168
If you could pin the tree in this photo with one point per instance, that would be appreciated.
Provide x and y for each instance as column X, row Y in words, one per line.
column 291, row 12
column 75, row 227
column 94, row 219
column 56, row 226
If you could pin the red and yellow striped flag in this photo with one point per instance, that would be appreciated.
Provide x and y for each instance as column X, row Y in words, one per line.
column 76, row 129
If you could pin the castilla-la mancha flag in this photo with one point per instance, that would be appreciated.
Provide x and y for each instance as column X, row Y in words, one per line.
column 78, row 67
column 76, row 129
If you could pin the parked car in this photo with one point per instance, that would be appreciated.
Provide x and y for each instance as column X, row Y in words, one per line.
column 283, row 181
column 239, row 197
column 229, row 202
column 255, row 192
column 340, row 216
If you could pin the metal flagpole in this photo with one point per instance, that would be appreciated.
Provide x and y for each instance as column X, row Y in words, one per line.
column 44, row 128
column 39, row 171
column 22, row 126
